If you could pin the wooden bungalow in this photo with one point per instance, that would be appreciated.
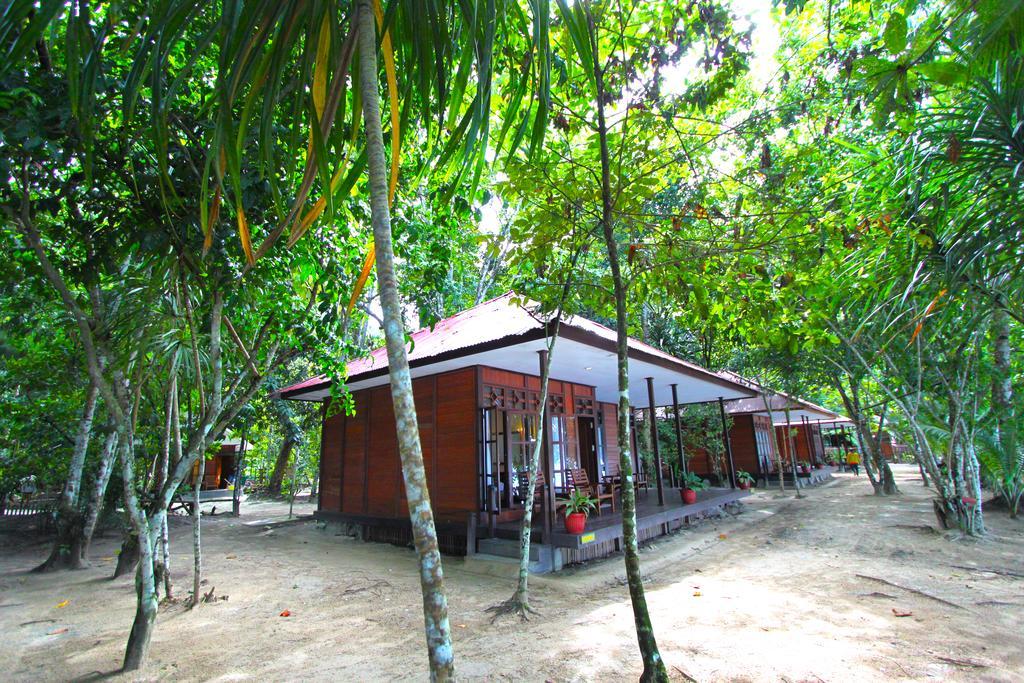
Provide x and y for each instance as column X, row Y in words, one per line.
column 220, row 469
column 476, row 385
column 759, row 429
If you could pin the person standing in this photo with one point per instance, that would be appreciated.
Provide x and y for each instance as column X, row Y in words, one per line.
column 853, row 462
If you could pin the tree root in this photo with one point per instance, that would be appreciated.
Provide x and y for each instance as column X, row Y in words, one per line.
column 512, row 606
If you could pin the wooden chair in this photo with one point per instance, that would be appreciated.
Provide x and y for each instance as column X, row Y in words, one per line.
column 580, row 481
column 540, row 491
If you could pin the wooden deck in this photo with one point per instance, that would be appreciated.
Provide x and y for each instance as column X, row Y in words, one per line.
column 608, row 526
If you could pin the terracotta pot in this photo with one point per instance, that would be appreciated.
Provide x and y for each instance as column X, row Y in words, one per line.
column 818, row 466
column 804, row 469
column 575, row 522
column 745, row 485
column 689, row 496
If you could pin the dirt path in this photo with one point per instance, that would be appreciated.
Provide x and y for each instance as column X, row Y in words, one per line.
column 777, row 593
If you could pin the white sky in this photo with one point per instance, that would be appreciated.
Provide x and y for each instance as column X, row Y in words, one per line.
column 765, row 41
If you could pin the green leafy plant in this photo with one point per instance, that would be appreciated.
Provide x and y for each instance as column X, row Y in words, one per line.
column 744, row 477
column 694, row 482
column 581, row 503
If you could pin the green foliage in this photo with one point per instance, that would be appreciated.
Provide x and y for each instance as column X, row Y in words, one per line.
column 580, row 502
column 694, row 482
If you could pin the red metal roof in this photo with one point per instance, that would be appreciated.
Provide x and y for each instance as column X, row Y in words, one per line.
column 490, row 322
column 778, row 400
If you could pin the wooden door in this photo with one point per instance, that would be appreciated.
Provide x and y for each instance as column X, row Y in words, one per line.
column 588, row 448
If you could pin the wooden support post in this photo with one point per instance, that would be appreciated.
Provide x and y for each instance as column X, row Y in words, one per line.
column 728, row 445
column 654, row 442
column 679, row 435
column 821, row 440
column 549, row 466
column 807, row 437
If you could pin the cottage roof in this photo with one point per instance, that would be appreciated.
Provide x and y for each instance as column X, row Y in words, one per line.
column 778, row 402
column 505, row 334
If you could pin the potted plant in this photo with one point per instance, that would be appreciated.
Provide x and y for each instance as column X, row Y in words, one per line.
column 805, row 467
column 691, row 484
column 577, row 508
column 744, row 480
column 819, row 465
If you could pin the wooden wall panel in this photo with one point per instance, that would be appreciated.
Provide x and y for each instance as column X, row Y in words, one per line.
column 353, row 473
column 383, row 463
column 744, row 443
column 502, row 377
column 330, row 459
column 609, row 413
column 455, row 484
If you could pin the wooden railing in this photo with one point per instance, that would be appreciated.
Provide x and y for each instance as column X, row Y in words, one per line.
column 35, row 505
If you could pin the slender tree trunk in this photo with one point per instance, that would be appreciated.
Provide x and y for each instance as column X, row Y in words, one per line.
column 519, row 603
column 654, row 665
column 165, row 561
column 236, row 495
column 775, row 439
column 889, row 487
column 293, row 488
column 1011, row 486
column 94, row 507
column 924, row 475
column 1002, row 385
column 67, row 550
column 197, row 545
column 163, row 558
column 851, row 399
column 435, row 603
column 792, row 455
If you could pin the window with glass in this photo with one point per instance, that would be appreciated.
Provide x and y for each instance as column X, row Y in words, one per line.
column 522, row 437
column 560, row 456
column 493, row 465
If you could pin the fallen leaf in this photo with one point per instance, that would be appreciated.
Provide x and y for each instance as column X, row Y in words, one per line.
column 58, row 631
column 722, row 537
column 696, row 594
column 462, row 626
column 63, row 603
column 900, row 613
column 231, row 557
column 286, row 613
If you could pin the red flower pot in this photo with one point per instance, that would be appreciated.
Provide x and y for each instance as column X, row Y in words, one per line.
column 805, row 470
column 575, row 522
column 689, row 496
column 818, row 466
column 744, row 485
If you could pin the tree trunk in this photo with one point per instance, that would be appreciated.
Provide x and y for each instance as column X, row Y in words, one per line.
column 94, row 508
column 67, row 549
column 924, row 475
column 280, row 465
column 145, row 583
column 1002, row 385
column 792, row 455
column 775, row 439
column 128, row 556
column 197, row 546
column 165, row 560
column 1010, row 485
column 435, row 603
column 519, row 603
column 236, row 494
column 654, row 665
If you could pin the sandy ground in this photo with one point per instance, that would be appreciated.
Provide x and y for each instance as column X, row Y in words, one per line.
column 777, row 593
